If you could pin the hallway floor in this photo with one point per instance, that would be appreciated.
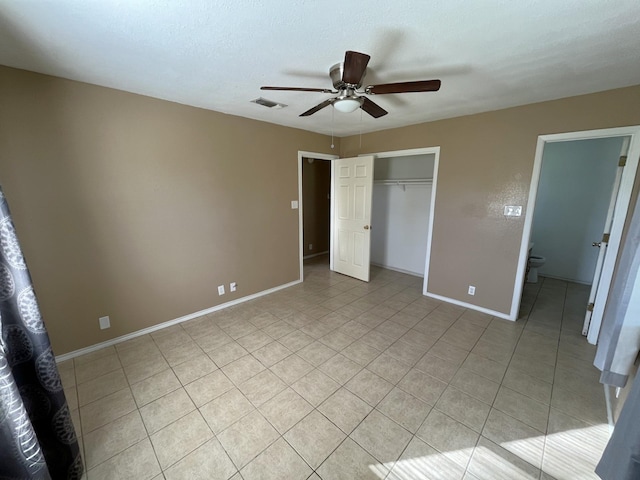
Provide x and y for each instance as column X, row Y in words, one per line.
column 339, row 379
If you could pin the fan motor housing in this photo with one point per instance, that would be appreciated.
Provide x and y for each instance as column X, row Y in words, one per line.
column 336, row 77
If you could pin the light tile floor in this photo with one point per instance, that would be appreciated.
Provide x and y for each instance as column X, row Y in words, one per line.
column 339, row 379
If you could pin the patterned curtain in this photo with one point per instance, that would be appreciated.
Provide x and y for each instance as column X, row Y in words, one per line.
column 37, row 438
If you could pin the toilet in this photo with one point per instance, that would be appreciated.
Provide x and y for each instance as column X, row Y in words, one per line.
column 535, row 262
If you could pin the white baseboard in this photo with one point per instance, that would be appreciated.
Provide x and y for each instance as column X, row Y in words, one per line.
column 400, row 270
column 471, row 306
column 564, row 279
column 175, row 321
column 315, row 255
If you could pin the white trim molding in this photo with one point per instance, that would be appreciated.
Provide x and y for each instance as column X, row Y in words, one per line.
column 170, row 323
column 469, row 305
column 307, row 257
column 399, row 270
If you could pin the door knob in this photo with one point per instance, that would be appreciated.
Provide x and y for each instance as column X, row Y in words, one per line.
column 366, row 227
column 596, row 244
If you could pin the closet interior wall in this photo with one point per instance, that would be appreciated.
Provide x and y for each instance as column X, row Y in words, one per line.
column 400, row 212
column 316, row 206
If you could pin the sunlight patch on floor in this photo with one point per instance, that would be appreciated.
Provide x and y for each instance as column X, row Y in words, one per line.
column 434, row 467
column 575, row 453
column 568, row 455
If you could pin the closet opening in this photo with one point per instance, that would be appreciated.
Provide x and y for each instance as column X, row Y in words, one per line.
column 401, row 209
column 403, row 187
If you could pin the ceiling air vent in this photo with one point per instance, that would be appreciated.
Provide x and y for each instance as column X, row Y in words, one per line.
column 268, row 103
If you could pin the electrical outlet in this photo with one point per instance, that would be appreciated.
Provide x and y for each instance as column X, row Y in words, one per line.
column 104, row 323
column 221, row 290
column 233, row 287
column 311, row 246
column 472, row 290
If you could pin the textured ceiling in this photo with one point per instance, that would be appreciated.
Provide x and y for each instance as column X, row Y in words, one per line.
column 489, row 54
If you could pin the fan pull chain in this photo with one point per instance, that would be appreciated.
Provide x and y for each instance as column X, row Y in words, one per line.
column 360, row 129
column 333, row 113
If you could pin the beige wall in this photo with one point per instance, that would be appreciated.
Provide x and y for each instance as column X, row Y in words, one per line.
column 486, row 162
column 139, row 208
column 316, row 186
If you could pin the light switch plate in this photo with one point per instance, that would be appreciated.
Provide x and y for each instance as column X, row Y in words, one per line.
column 294, row 204
column 513, row 210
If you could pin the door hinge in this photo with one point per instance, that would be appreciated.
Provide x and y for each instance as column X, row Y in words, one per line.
column 590, row 307
column 623, row 161
column 605, row 238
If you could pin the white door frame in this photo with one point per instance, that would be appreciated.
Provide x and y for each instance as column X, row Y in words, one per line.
column 622, row 207
column 420, row 151
column 318, row 156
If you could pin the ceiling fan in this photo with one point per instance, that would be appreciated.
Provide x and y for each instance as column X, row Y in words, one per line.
column 347, row 79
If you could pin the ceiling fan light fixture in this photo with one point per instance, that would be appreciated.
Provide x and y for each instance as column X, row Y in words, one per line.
column 347, row 78
column 348, row 104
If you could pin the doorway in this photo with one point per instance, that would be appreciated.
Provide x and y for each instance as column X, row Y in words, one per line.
column 312, row 195
column 576, row 182
column 582, row 258
column 401, row 207
column 316, row 199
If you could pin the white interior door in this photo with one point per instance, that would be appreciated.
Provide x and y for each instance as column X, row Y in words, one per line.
column 602, row 243
column 352, row 187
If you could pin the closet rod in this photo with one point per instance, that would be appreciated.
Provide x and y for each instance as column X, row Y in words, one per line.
column 405, row 181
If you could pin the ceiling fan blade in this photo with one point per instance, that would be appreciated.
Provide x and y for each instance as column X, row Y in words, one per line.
column 318, row 107
column 372, row 108
column 355, row 64
column 404, row 87
column 299, row 89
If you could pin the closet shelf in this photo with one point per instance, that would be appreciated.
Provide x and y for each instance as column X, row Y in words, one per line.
column 403, row 182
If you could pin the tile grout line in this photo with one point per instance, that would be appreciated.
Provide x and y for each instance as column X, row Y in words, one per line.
column 491, row 407
column 555, row 369
column 394, row 384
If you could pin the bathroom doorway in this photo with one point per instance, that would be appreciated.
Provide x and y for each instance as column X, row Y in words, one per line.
column 578, row 193
column 574, row 192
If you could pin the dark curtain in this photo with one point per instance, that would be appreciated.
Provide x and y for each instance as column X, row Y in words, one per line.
column 37, row 437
